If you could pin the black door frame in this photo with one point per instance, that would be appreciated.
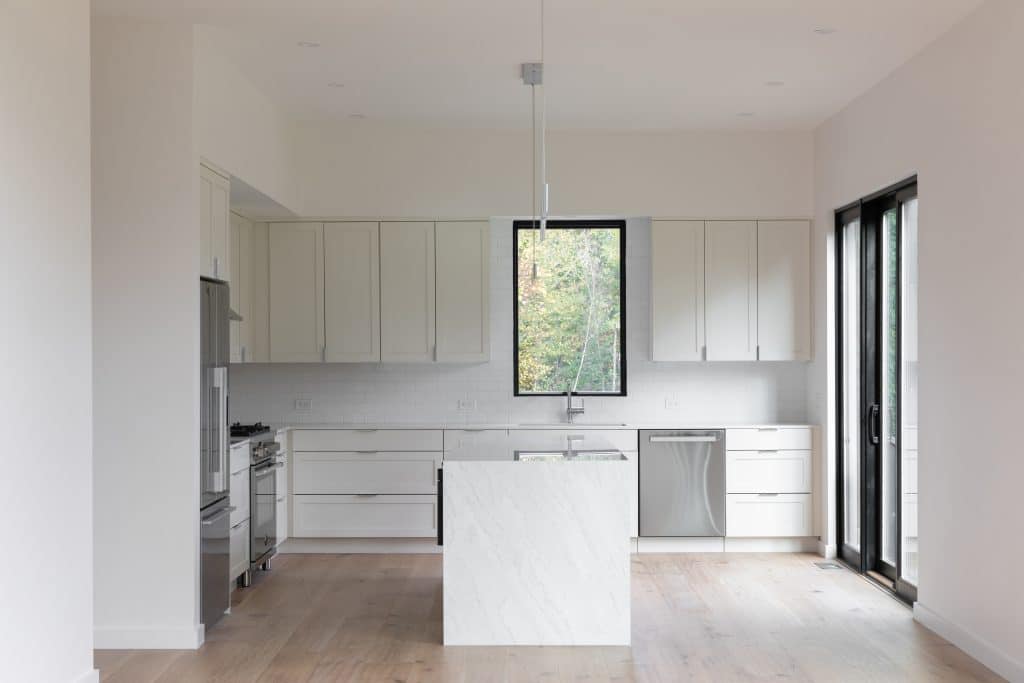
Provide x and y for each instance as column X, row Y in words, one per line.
column 870, row 212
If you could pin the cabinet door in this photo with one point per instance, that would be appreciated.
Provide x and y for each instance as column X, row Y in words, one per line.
column 677, row 290
column 730, row 271
column 258, row 332
column 296, row 292
column 783, row 290
column 240, row 233
column 463, row 292
column 407, row 292
column 214, row 211
column 352, row 292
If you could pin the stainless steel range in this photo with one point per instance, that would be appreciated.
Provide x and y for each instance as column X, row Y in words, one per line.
column 263, row 466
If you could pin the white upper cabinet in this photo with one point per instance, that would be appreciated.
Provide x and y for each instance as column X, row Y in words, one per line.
column 783, row 290
column 463, row 291
column 730, row 271
column 214, row 212
column 241, row 268
column 677, row 290
column 406, row 292
column 296, row 253
column 257, row 349
column 352, row 292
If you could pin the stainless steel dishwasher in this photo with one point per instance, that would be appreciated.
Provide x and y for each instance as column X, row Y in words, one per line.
column 682, row 483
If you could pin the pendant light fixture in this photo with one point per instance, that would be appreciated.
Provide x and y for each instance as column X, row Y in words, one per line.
column 533, row 75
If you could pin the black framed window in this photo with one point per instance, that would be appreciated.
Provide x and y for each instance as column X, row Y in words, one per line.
column 569, row 301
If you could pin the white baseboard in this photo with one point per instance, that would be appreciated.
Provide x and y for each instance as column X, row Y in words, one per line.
column 771, row 545
column 727, row 545
column 680, row 545
column 147, row 638
column 977, row 647
column 92, row 676
column 828, row 551
column 336, row 546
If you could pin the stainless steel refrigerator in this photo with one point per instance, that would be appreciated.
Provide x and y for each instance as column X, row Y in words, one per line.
column 214, row 509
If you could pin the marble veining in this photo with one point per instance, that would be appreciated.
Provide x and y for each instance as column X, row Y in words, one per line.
column 536, row 555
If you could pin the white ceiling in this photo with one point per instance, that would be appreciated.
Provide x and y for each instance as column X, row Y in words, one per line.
column 619, row 64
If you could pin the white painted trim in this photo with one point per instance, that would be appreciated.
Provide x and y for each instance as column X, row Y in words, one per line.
column 827, row 550
column 359, row 546
column 771, row 545
column 92, row 676
column 977, row 647
column 149, row 638
column 680, row 545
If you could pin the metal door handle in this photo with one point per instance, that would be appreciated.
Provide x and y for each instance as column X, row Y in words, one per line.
column 683, row 439
column 873, row 427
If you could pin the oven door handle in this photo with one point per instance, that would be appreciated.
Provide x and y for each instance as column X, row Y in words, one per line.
column 260, row 471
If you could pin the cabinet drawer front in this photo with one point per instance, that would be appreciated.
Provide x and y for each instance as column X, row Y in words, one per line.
column 462, row 442
column 768, row 472
column 239, row 457
column 769, row 439
column 358, row 473
column 764, row 516
column 582, row 439
column 364, row 516
column 239, row 496
column 367, row 440
column 239, row 545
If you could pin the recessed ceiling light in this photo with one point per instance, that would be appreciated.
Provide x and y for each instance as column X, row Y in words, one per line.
column 824, row 30
column 745, row 114
column 775, row 84
column 357, row 116
column 307, row 43
column 335, row 84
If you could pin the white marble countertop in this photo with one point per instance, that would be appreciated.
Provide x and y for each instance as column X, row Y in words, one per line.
column 483, row 426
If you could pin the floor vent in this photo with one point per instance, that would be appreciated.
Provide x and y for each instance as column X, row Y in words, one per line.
column 828, row 565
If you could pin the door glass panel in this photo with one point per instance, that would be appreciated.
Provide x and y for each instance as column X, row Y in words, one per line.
column 851, row 385
column 908, row 390
column 889, row 357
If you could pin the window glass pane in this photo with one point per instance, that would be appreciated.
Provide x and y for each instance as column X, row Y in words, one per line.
column 569, row 310
column 851, row 384
column 889, row 357
column 908, row 391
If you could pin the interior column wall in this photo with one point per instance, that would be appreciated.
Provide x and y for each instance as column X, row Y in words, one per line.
column 146, row 302
column 46, row 366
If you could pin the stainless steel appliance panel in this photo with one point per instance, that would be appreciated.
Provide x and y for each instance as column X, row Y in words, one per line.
column 263, row 510
column 215, row 561
column 214, row 298
column 682, row 483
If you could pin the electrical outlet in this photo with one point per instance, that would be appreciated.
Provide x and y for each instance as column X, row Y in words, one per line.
column 671, row 403
column 466, row 405
column 303, row 405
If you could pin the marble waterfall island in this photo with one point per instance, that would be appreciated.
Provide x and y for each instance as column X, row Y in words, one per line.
column 536, row 549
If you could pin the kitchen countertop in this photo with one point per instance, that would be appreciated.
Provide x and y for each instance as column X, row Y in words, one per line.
column 470, row 426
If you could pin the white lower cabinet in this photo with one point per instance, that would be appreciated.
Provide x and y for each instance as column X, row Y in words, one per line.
column 366, row 472
column 364, row 516
column 768, row 472
column 769, row 515
column 239, row 548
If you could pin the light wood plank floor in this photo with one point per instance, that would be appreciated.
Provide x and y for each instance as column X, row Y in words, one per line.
column 377, row 618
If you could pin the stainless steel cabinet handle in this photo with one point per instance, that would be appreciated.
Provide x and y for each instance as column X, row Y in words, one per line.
column 767, row 495
column 281, row 499
column 367, row 452
column 207, row 521
column 366, row 431
column 683, row 439
column 239, row 524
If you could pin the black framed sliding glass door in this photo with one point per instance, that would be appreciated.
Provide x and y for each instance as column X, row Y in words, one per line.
column 876, row 328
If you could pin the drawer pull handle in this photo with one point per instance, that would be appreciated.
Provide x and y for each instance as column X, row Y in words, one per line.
column 767, row 495
column 367, row 452
column 767, row 429
column 366, row 431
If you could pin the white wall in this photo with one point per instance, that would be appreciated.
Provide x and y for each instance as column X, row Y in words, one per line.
column 146, row 335
column 954, row 116
column 238, row 128
column 712, row 392
column 46, row 370
column 366, row 168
